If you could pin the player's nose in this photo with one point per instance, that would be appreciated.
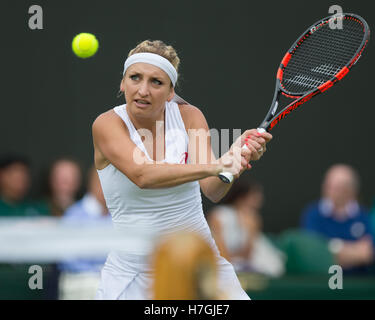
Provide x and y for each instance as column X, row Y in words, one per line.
column 143, row 89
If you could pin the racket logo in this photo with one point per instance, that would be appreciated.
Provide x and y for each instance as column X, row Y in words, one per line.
column 292, row 107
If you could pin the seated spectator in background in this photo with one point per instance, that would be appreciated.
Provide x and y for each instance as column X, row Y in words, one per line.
column 14, row 187
column 236, row 226
column 61, row 189
column 79, row 279
column 62, row 185
column 372, row 220
column 339, row 217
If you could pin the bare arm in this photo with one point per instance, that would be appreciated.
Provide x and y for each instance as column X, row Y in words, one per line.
column 111, row 137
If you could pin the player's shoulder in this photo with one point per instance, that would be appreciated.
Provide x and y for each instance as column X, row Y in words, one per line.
column 109, row 124
column 189, row 109
column 192, row 115
column 106, row 118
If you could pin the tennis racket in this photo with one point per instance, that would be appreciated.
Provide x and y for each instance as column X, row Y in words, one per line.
column 321, row 57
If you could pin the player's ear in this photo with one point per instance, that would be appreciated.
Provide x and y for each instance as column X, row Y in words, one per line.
column 122, row 85
column 171, row 95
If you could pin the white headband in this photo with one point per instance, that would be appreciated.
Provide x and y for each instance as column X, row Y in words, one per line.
column 154, row 59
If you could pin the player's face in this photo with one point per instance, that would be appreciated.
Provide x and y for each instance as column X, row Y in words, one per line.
column 146, row 88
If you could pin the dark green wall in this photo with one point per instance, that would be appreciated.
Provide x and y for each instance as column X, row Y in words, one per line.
column 230, row 51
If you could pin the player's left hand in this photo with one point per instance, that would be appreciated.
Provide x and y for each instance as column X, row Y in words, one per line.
column 256, row 142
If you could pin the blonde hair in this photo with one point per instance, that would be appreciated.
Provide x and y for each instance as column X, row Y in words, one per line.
column 160, row 48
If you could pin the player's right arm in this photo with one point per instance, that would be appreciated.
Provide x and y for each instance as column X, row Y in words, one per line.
column 113, row 145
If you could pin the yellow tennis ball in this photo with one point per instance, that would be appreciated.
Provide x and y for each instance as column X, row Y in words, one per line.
column 85, row 45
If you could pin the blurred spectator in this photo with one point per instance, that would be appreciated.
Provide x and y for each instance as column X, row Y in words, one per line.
column 372, row 220
column 14, row 187
column 236, row 226
column 62, row 185
column 79, row 279
column 339, row 217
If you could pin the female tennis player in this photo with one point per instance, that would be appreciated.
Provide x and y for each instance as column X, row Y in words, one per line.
column 152, row 169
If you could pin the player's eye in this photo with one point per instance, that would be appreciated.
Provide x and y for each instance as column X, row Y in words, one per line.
column 158, row 82
column 134, row 77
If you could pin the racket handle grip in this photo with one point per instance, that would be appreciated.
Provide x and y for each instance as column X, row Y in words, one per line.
column 227, row 177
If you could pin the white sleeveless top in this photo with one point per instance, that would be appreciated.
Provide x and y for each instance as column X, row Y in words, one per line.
column 161, row 210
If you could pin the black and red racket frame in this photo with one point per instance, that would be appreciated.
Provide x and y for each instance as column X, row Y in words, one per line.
column 271, row 119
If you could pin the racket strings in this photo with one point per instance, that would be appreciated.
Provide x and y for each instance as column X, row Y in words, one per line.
column 322, row 55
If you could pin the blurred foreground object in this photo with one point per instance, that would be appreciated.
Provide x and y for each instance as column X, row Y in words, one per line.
column 185, row 269
column 46, row 240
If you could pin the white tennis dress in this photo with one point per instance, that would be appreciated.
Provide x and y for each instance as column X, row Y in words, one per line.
column 127, row 274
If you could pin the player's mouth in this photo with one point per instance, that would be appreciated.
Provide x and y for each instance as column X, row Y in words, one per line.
column 142, row 103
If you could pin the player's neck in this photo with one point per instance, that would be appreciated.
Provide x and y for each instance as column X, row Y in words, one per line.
column 152, row 124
